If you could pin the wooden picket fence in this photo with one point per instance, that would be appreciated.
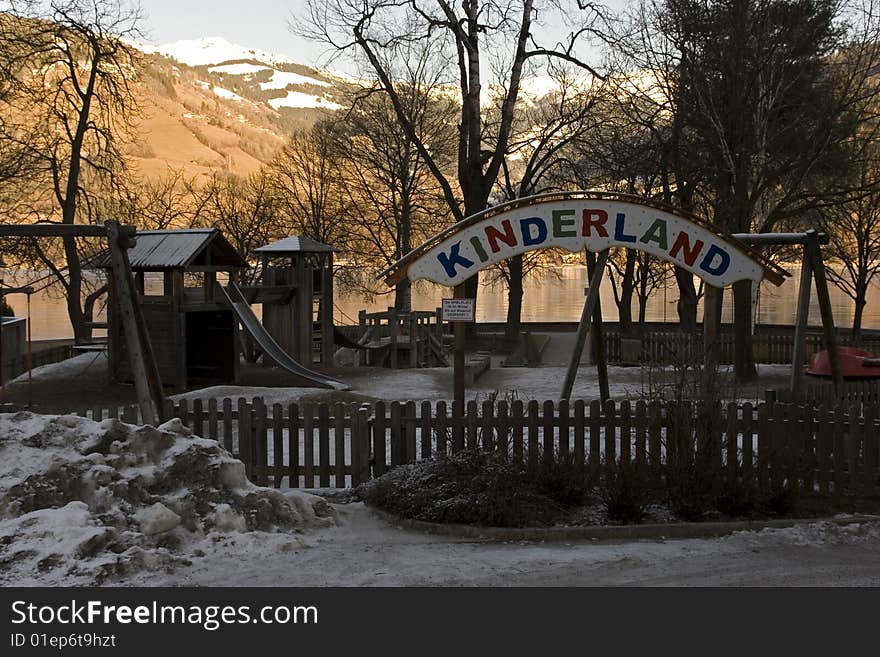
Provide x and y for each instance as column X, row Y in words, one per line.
column 769, row 348
column 829, row 449
column 864, row 392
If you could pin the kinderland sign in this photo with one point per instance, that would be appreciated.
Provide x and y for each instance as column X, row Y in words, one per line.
column 578, row 223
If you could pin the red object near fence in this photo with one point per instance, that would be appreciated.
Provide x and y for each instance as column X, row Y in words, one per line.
column 854, row 364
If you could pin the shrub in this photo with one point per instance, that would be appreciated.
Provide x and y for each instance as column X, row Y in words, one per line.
column 473, row 487
column 562, row 479
column 625, row 491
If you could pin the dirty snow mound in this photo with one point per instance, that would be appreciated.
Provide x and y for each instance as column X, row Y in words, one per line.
column 82, row 502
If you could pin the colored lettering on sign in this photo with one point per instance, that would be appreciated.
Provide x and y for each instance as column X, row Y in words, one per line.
column 656, row 233
column 493, row 235
column 722, row 264
column 619, row 235
column 683, row 243
column 595, row 219
column 526, row 225
column 561, row 223
column 572, row 227
column 454, row 258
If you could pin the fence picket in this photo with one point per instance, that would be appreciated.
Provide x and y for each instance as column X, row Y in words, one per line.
column 579, row 432
column 441, row 427
column 261, row 442
column 516, row 431
column 379, row 424
column 198, row 425
column 426, row 430
column 324, row 445
column 548, row 451
column 227, row 425
column 409, row 443
column 595, row 458
column 502, row 437
column 396, row 434
column 869, row 451
column 564, row 438
column 277, row 444
column 487, row 425
column 471, row 421
column 533, row 433
column 339, row 444
column 308, row 446
column 610, row 432
column 457, row 421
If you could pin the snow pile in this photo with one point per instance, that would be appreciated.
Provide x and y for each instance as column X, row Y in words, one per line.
column 82, row 502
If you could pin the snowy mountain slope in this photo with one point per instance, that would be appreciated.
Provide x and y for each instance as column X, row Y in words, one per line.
column 238, row 73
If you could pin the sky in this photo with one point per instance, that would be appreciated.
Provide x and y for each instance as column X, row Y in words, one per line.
column 262, row 24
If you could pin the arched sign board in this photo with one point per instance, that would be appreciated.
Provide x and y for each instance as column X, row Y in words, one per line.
column 576, row 221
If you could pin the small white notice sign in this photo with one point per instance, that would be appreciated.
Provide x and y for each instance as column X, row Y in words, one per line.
column 458, row 310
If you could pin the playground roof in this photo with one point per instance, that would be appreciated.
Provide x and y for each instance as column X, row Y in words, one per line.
column 179, row 249
column 295, row 244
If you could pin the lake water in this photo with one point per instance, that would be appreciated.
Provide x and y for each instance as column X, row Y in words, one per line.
column 557, row 298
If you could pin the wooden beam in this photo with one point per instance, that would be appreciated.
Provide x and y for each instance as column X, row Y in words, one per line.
column 597, row 339
column 460, row 331
column 584, row 325
column 818, row 267
column 140, row 352
column 800, row 326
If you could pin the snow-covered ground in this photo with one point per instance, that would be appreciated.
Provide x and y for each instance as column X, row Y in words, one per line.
column 106, row 503
column 366, row 551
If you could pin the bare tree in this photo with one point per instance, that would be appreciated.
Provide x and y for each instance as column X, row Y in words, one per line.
column 465, row 37
column 394, row 202
column 544, row 133
column 308, row 185
column 246, row 210
column 854, row 230
column 768, row 93
column 70, row 102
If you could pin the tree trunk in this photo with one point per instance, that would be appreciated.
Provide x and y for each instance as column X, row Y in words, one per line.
column 81, row 333
column 403, row 295
column 687, row 300
column 743, row 351
column 861, row 302
column 627, row 287
column 514, row 298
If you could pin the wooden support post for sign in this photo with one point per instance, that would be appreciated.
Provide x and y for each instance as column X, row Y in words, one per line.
column 584, row 325
column 818, row 267
column 800, row 327
column 597, row 338
column 140, row 352
column 712, row 301
column 459, row 329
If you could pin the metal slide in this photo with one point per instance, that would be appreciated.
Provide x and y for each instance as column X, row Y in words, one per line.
column 267, row 343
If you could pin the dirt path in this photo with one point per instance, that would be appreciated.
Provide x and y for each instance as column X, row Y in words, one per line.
column 365, row 551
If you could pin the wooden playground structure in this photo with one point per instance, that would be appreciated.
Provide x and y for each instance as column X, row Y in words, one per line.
column 401, row 339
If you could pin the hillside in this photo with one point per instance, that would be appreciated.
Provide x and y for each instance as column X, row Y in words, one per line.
column 210, row 105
